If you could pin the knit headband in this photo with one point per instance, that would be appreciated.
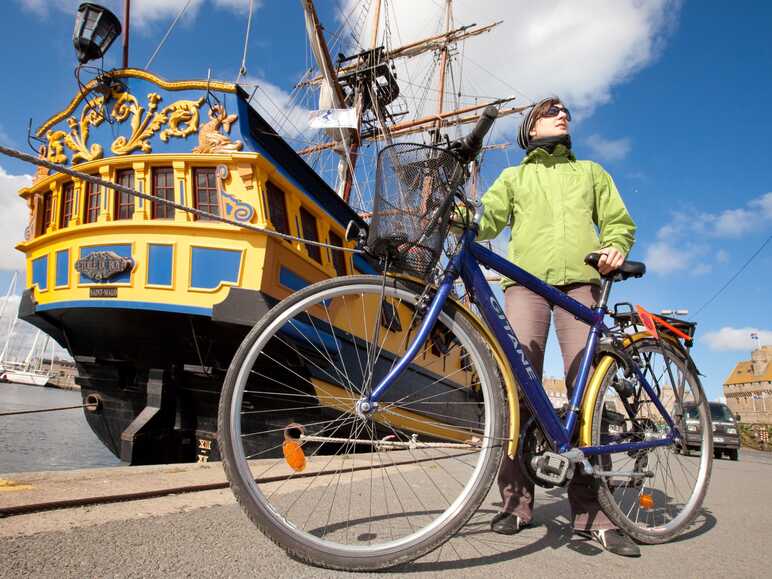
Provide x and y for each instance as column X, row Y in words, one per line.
column 524, row 135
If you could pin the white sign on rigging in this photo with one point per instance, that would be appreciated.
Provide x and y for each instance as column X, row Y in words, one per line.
column 333, row 119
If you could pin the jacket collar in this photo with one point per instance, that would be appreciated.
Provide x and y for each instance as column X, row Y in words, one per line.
column 540, row 155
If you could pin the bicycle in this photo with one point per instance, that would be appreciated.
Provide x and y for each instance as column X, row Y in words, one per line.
column 364, row 418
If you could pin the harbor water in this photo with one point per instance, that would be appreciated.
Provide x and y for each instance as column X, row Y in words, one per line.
column 58, row 440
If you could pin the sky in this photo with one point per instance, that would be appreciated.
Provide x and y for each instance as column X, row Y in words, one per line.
column 672, row 98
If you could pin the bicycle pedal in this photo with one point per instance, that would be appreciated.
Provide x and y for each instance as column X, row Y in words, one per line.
column 552, row 468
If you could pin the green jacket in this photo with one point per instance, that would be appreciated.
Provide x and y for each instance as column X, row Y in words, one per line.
column 554, row 203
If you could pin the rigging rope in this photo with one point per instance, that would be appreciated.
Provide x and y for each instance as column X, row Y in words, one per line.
column 153, row 199
column 243, row 68
column 168, row 32
column 734, row 277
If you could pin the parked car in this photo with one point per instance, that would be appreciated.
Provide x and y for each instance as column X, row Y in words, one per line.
column 726, row 434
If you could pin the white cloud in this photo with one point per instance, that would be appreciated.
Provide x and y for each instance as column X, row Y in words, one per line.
column 728, row 338
column 578, row 50
column 13, row 219
column 241, row 6
column 609, row 149
column 665, row 257
column 674, row 249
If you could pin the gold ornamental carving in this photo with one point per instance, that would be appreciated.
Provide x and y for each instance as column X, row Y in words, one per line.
column 181, row 116
column 76, row 140
column 180, row 119
column 211, row 140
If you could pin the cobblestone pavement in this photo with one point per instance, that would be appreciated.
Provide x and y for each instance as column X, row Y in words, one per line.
column 206, row 535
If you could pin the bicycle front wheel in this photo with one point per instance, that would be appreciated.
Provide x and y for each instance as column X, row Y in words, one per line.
column 653, row 494
column 345, row 489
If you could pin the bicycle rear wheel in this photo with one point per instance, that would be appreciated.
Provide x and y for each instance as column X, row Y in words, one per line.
column 348, row 490
column 656, row 507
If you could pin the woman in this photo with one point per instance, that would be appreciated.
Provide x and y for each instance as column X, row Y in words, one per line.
column 559, row 209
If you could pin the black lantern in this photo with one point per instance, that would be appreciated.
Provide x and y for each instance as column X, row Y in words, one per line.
column 95, row 29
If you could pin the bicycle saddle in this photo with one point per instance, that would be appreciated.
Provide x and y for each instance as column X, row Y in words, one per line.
column 627, row 269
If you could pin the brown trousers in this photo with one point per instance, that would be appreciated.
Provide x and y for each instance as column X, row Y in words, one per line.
column 529, row 314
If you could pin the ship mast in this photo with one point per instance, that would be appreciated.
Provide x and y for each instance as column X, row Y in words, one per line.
column 331, row 92
column 359, row 106
column 443, row 69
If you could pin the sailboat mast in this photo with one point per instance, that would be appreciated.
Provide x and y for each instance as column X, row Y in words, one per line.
column 126, row 18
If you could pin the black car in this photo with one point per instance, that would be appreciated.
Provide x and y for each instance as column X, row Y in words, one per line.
column 726, row 435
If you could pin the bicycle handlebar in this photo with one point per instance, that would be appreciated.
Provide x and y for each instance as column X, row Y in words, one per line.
column 468, row 147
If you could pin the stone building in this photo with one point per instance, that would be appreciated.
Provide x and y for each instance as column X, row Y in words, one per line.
column 748, row 389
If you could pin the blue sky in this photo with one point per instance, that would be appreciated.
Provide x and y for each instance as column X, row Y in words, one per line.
column 672, row 98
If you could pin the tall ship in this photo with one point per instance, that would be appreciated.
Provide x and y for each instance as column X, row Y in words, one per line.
column 152, row 294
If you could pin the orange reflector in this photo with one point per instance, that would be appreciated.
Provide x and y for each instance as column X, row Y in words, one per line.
column 646, row 501
column 294, row 455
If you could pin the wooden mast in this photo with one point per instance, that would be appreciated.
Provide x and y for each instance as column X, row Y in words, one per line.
column 322, row 55
column 443, row 68
column 359, row 106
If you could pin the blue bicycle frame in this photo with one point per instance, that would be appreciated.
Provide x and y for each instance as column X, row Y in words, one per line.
column 466, row 264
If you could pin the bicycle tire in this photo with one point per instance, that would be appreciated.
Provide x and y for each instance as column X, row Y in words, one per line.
column 326, row 546
column 654, row 496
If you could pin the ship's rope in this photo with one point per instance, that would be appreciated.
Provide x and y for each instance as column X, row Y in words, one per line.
column 92, row 406
column 168, row 32
column 153, row 199
column 243, row 67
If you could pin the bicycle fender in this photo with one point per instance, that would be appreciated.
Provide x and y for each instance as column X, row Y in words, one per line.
column 591, row 398
column 510, row 384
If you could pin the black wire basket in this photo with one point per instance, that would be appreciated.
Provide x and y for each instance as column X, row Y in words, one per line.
column 414, row 190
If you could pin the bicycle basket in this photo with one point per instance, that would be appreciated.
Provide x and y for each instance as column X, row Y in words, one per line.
column 414, row 190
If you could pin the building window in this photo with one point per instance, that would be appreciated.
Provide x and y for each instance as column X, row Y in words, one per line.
column 48, row 205
column 308, row 223
column 338, row 257
column 68, row 198
column 205, row 188
column 163, row 188
column 93, row 198
column 277, row 208
column 124, row 203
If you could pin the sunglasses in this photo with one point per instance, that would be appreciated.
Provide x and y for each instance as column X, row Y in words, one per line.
column 555, row 110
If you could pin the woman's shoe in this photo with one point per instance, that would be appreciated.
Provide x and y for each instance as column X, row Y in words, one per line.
column 614, row 541
column 508, row 524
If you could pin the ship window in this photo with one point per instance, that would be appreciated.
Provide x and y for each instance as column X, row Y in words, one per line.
column 48, row 202
column 163, row 188
column 338, row 257
column 92, row 203
column 205, row 184
column 124, row 203
column 308, row 221
column 277, row 208
column 68, row 190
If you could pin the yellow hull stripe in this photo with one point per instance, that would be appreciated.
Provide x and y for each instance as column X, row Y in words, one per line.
column 343, row 400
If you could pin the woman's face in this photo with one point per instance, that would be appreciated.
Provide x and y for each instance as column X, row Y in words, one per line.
column 551, row 126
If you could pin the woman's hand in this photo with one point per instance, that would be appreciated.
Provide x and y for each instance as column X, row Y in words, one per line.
column 610, row 259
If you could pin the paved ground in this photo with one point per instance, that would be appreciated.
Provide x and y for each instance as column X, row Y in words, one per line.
column 206, row 535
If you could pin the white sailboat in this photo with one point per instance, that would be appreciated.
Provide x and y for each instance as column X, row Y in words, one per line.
column 11, row 321
column 32, row 370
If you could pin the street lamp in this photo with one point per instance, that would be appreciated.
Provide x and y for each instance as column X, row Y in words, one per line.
column 675, row 312
column 95, row 29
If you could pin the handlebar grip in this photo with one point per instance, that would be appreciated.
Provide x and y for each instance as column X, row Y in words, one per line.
column 474, row 139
